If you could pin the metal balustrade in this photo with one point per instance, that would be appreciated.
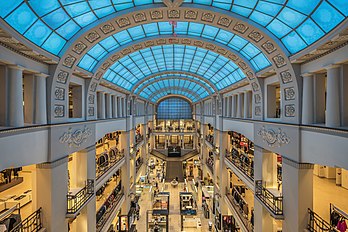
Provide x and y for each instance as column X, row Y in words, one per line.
column 138, row 165
column 318, row 224
column 77, row 201
column 246, row 222
column 210, row 166
column 112, row 162
column 272, row 202
column 112, row 205
column 241, row 165
column 33, row 223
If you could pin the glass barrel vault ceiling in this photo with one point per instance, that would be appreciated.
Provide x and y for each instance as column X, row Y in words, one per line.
column 51, row 23
column 133, row 68
column 172, row 76
column 250, row 52
column 174, row 86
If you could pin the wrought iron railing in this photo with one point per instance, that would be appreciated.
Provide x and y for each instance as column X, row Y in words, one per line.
column 241, row 165
column 210, row 166
column 75, row 202
column 244, row 218
column 138, row 165
column 112, row 162
column 273, row 203
column 33, row 223
column 112, row 205
column 318, row 224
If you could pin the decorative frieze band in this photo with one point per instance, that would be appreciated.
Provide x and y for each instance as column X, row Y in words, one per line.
column 297, row 165
column 50, row 165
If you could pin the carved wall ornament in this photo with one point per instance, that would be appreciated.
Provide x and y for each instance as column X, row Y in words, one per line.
column 173, row 41
column 156, row 14
column 107, row 28
column 273, row 138
column 173, row 14
column 126, row 51
column 269, row 47
column 149, row 43
column 79, row 47
column 62, row 77
column 59, row 93
column 76, row 138
column 255, row 86
column 279, row 61
column 198, row 43
column 210, row 46
column 289, row 93
column 58, row 111
column 190, row 14
column 137, row 46
column 250, row 75
column 208, row 17
column 90, row 111
column 106, row 65
column 186, row 41
column 222, row 51
column 240, row 28
column 223, row 21
column 94, row 86
column 290, row 110
column 91, row 98
column 233, row 57
column 242, row 65
column 286, row 77
column 161, row 41
column 257, row 99
column 115, row 57
column 98, row 75
column 69, row 61
column 92, row 36
column 256, row 36
column 258, row 110
column 139, row 17
column 123, row 22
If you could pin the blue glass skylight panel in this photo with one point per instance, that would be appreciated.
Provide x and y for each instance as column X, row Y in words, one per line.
column 309, row 31
column 327, row 17
column 56, row 19
column 38, row 32
column 22, row 18
column 261, row 18
column 340, row 5
column 278, row 28
column 305, row 7
column 68, row 30
column 291, row 17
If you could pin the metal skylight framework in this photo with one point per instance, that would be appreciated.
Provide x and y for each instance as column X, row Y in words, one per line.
column 246, row 49
column 50, row 24
column 133, row 68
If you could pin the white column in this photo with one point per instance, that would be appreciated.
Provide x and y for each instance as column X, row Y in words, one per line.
column 298, row 194
column 240, row 105
column 40, row 99
column 108, row 106
column 15, row 104
column 333, row 96
column 307, row 99
column 101, row 105
column 29, row 100
column 247, row 104
column 234, row 106
column 319, row 99
column 3, row 95
column 114, row 108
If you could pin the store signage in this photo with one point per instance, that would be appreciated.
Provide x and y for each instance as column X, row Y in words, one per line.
column 273, row 138
column 76, row 138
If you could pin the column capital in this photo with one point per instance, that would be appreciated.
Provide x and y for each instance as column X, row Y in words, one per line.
column 15, row 66
column 331, row 66
column 297, row 165
column 44, row 75
column 308, row 74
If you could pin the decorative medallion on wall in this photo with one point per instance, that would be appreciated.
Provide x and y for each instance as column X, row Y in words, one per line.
column 208, row 17
column 58, row 111
column 107, row 28
column 139, row 17
column 258, row 110
column 223, row 21
column 59, row 93
column 62, row 77
column 156, row 14
column 91, row 98
column 92, row 36
column 269, row 47
column 279, row 61
column 286, row 77
column 173, row 13
column 190, row 14
column 91, row 111
column 75, row 138
column 257, row 98
column 69, row 61
column 289, row 93
column 123, row 22
column 290, row 110
column 240, row 28
column 256, row 36
column 273, row 138
column 79, row 47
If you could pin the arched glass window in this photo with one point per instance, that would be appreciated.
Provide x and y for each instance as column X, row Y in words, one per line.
column 174, row 108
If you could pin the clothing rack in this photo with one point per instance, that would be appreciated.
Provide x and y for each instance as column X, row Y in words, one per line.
column 334, row 208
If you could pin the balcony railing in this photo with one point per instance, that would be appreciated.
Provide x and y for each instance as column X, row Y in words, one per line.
column 76, row 201
column 101, row 170
column 210, row 164
column 210, row 139
column 318, row 224
column 101, row 220
column 33, row 223
column 273, row 203
column 241, row 165
column 243, row 217
column 138, row 139
column 173, row 129
column 138, row 165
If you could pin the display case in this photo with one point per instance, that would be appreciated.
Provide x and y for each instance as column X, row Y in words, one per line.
column 160, row 204
column 156, row 222
column 188, row 205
